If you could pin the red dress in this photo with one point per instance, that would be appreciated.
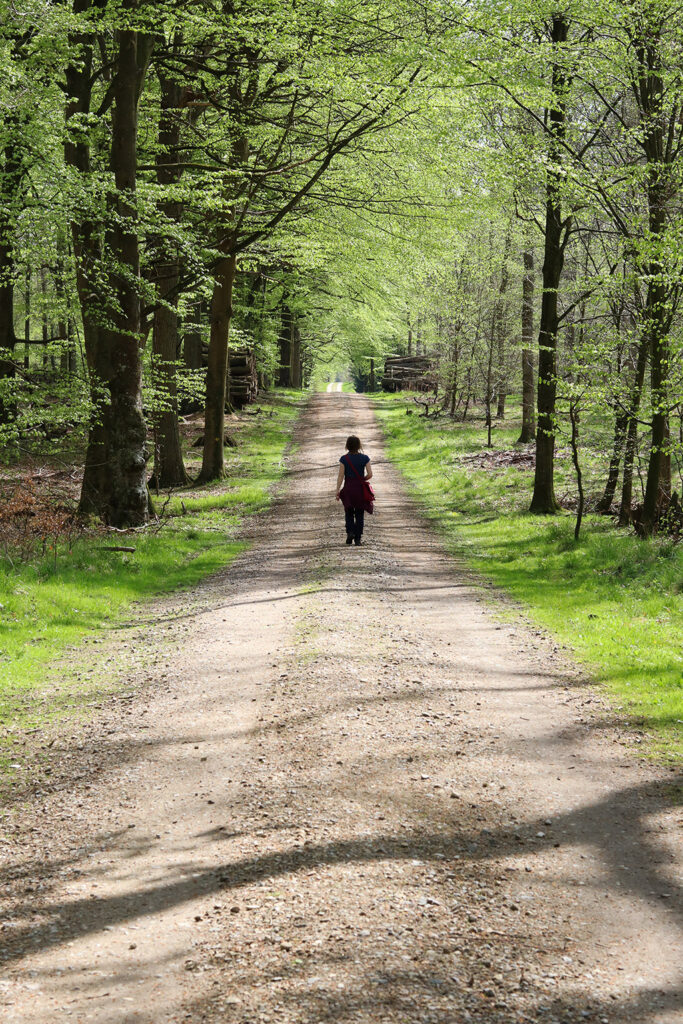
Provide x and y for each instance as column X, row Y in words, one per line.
column 353, row 492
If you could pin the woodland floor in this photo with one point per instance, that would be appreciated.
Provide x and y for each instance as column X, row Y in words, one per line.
column 341, row 786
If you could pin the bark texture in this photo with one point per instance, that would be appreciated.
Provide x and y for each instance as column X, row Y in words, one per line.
column 660, row 187
column 118, row 478
column 544, row 500
column 88, row 259
column 217, row 369
column 169, row 468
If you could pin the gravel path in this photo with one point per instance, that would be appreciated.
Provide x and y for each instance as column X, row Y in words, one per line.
column 348, row 791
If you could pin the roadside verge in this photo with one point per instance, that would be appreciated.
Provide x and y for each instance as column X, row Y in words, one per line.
column 612, row 600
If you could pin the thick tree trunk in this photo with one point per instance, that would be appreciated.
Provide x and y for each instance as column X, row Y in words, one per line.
column 169, row 469
column 192, row 339
column 528, row 403
column 658, row 310
column 656, row 497
column 544, row 500
column 217, row 369
column 114, row 484
column 88, row 257
column 118, row 363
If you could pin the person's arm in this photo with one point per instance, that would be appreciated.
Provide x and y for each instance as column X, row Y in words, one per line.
column 340, row 480
column 368, row 470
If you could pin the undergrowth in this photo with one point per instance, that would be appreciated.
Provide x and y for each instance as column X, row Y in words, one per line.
column 613, row 599
column 53, row 600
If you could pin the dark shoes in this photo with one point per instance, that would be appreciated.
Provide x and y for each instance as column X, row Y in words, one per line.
column 357, row 541
column 349, row 538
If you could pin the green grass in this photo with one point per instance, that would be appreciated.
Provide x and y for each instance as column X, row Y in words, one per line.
column 50, row 604
column 614, row 600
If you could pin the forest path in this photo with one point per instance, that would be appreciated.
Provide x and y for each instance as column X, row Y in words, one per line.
column 349, row 793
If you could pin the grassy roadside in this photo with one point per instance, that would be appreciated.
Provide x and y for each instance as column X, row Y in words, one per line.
column 53, row 602
column 612, row 599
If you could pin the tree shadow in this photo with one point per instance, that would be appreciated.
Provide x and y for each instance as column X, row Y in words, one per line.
column 616, row 828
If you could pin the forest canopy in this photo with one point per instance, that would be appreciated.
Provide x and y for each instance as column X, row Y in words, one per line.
column 316, row 186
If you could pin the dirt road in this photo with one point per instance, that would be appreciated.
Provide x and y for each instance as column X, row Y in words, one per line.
column 349, row 791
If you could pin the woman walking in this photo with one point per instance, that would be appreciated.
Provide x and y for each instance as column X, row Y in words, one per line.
column 354, row 470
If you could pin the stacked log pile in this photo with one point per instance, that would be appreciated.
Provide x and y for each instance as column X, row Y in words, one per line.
column 242, row 377
column 408, row 373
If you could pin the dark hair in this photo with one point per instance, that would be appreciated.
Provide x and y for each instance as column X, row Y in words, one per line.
column 353, row 444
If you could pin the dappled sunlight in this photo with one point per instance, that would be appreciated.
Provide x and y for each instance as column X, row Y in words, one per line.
column 399, row 807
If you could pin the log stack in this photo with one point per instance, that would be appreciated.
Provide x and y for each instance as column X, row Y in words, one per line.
column 242, row 377
column 408, row 373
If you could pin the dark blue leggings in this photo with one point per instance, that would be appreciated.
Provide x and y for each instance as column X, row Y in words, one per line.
column 355, row 518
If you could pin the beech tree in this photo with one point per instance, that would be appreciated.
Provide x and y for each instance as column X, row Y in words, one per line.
column 342, row 182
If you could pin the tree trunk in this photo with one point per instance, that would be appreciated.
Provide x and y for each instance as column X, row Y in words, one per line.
column 659, row 189
column 650, row 94
column 217, row 369
column 7, row 335
column 67, row 357
column 528, row 404
column 574, row 418
column 27, row 319
column 284, row 374
column 123, row 500
column 620, row 429
column 192, row 339
column 655, row 496
column 501, row 333
column 87, row 257
column 45, row 326
column 296, row 355
column 625, row 511
column 10, row 179
column 544, row 500
column 488, row 396
column 169, row 469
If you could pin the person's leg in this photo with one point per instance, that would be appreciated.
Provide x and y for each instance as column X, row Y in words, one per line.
column 358, row 526
column 350, row 527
